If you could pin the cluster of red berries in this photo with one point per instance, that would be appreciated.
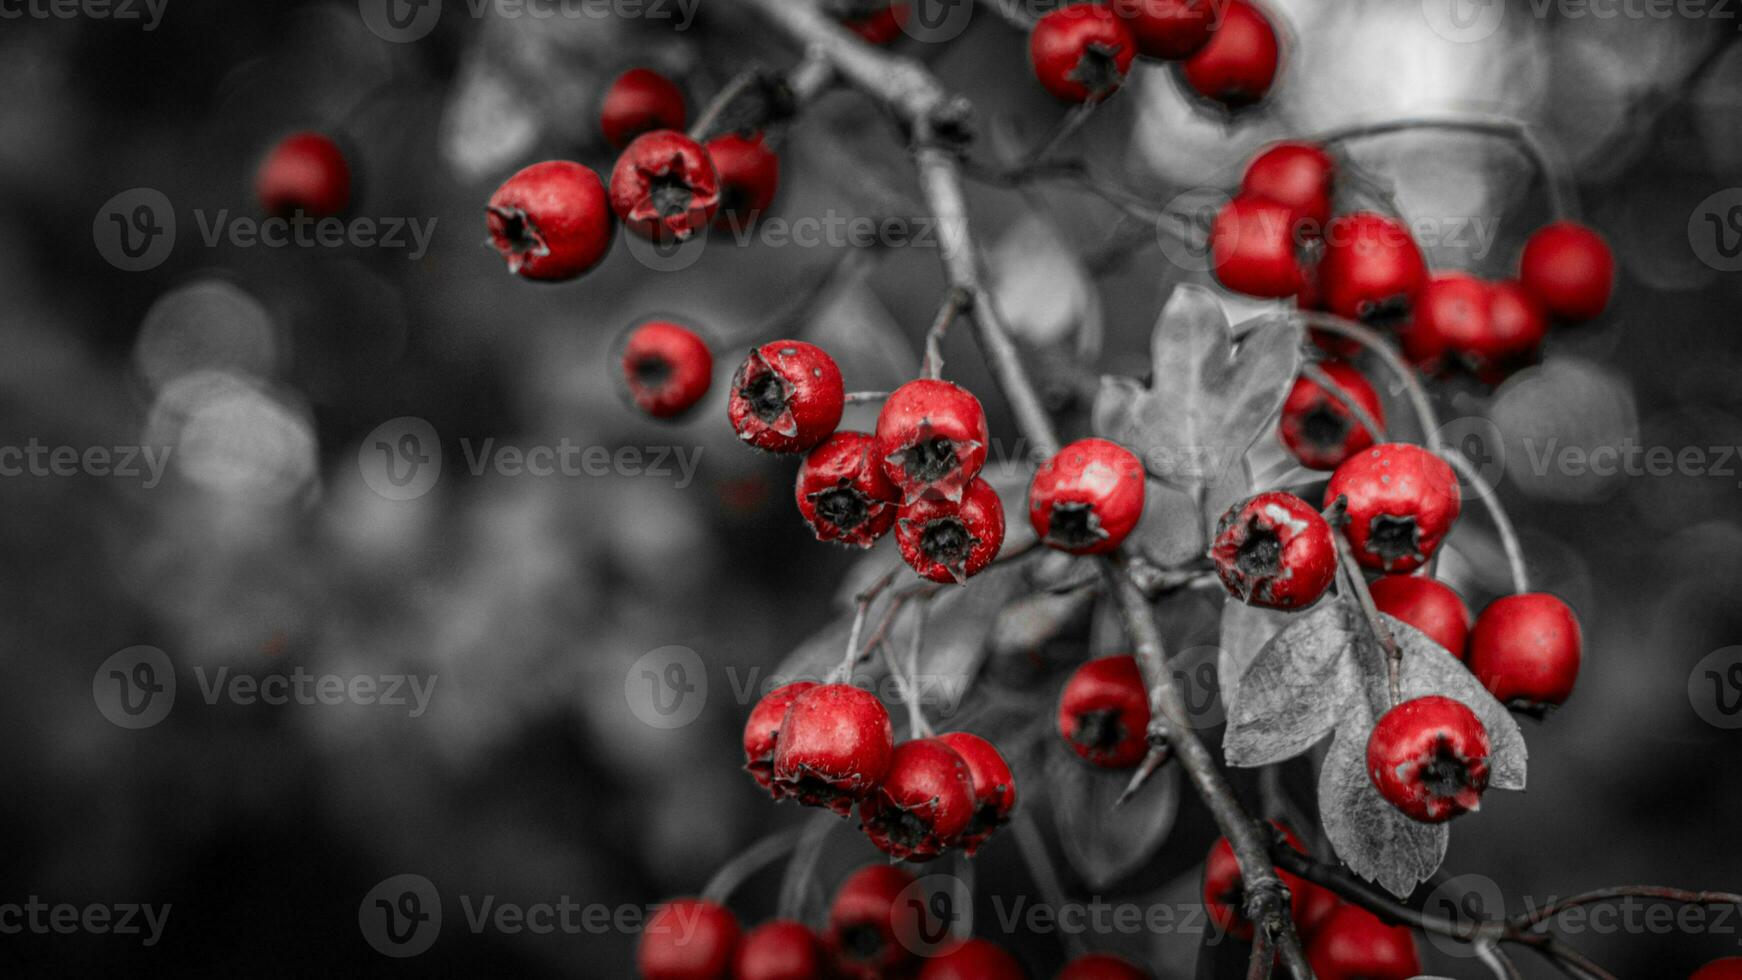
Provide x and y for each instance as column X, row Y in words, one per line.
column 1228, row 51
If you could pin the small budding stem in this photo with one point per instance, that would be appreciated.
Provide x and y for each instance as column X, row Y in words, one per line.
column 860, row 397
column 1502, row 523
column 1318, row 376
column 861, row 610
column 907, row 678
column 957, row 301
column 801, row 869
column 749, row 861
column 1356, row 584
column 739, row 84
column 1418, row 399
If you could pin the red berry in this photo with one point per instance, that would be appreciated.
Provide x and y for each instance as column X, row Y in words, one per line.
column 749, row 175
column 667, row 368
column 1257, row 248
column 843, row 493
column 1274, row 550
column 1317, row 425
column 924, row 804
column 1728, row 968
column 664, row 187
column 880, row 27
column 1485, row 328
column 1238, row 65
column 687, row 939
column 1299, row 175
column 1087, row 497
column 779, row 950
column 1525, row 649
column 1402, row 500
column 951, row 541
column 1354, row 945
column 1225, row 889
column 1081, row 52
column 640, row 100
column 1104, row 712
column 864, row 919
column 1569, row 268
column 1169, row 29
column 307, row 173
column 834, row 747
column 763, row 729
column 1316, row 909
column 550, row 221
column 972, row 959
column 786, row 397
column 1102, row 966
column 1372, row 270
column 994, row 786
column 932, row 438
column 1426, row 604
column 1429, row 758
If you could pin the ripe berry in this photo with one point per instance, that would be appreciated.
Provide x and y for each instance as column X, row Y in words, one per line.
column 786, row 397
column 667, row 368
column 1257, row 249
column 834, row 747
column 1372, row 269
column 863, row 922
column 994, row 786
column 932, row 438
column 1401, row 501
column 843, row 493
column 1728, row 968
column 1485, row 328
column 972, row 959
column 1104, row 712
column 1317, row 425
column 1274, row 550
column 640, row 100
column 1525, row 649
column 1102, row 966
column 924, row 804
column 951, row 541
column 1081, row 52
column 1299, row 175
column 1087, row 497
column 1429, row 758
column 749, row 175
column 1354, row 945
column 1569, row 268
column 687, row 939
column 1238, row 65
column 664, row 187
column 307, row 173
column 550, row 221
column 1225, row 889
column 779, row 950
column 880, row 27
column 1426, row 604
column 1168, row 29
column 762, row 731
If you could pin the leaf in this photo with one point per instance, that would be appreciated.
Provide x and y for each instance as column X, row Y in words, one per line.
column 1296, row 690
column 1429, row 669
column 1041, row 286
column 1245, row 631
column 1174, row 529
column 1102, row 842
column 1370, row 835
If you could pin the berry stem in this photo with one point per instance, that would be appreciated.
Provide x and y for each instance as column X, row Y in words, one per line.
column 860, row 397
column 1562, row 199
column 1536, row 917
column 1502, row 523
column 1263, row 955
column 956, row 302
column 1062, row 130
column 861, row 610
column 1418, row 399
column 907, row 677
column 752, row 859
column 962, row 927
column 1356, row 585
column 1011, row 12
column 796, row 884
column 1489, row 953
column 735, row 88
column 1332, row 387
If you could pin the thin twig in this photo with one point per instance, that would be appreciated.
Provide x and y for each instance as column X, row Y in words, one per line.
column 859, row 397
column 739, row 84
column 1317, row 375
column 1356, row 583
column 956, row 302
column 1539, row 916
column 752, row 859
column 1502, row 523
column 1489, row 953
column 861, row 609
column 803, row 864
column 1367, row 338
column 1263, row 956
column 1563, row 201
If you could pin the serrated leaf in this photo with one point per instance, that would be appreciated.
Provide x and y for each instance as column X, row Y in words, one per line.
column 1102, row 842
column 1370, row 835
column 1245, row 631
column 1040, row 284
column 1296, row 690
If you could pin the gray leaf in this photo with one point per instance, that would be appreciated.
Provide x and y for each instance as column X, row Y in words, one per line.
column 1245, row 631
column 1174, row 530
column 1104, row 843
column 1296, row 691
column 1370, row 835
column 1429, row 669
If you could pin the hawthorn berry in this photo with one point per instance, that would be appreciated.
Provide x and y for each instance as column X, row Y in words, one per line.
column 864, row 919
column 1225, row 890
column 786, row 397
column 1238, row 64
column 1317, row 426
column 779, row 950
column 972, row 959
column 1428, row 605
column 550, row 221
column 305, row 173
column 1400, row 499
column 1569, row 269
column 1087, row 497
column 1257, row 248
column 881, row 26
column 762, row 730
column 1081, row 52
column 687, row 939
column 664, row 186
column 1354, row 945
column 1728, row 968
column 1294, row 173
column 951, row 541
column 932, row 438
column 1372, row 270
column 994, row 786
column 843, row 494
column 1168, row 29
column 1484, row 328
column 666, row 368
column 1428, row 757
column 638, row 101
column 1102, row 966
column 1525, row 649
column 1274, row 550
column 924, row 804
column 749, row 175
column 1103, row 712
column 833, row 749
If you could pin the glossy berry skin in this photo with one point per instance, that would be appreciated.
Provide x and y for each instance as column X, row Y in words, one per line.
column 1354, row 945
column 1428, row 605
column 1103, row 713
column 972, row 959
column 1372, row 270
column 305, row 173
column 550, row 221
column 779, row 950
column 1486, row 329
column 924, row 804
column 1225, row 890
column 1087, row 497
column 1238, row 65
column 1317, row 426
column 881, row 27
column 1402, row 500
column 994, row 786
column 687, row 939
column 1275, row 551
column 863, row 933
column 1167, row 29
column 1569, row 269
column 843, row 493
column 1102, row 966
column 932, row 438
column 749, row 175
column 666, row 368
column 951, row 541
column 1728, row 968
column 1256, row 248
column 762, row 730
column 834, row 747
column 1081, row 52
column 786, row 397
column 640, row 100
column 664, row 187
column 1429, row 758
column 1525, row 649
column 1298, row 174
